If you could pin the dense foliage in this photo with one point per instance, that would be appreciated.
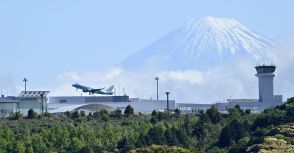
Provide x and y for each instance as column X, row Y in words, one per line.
column 160, row 149
column 103, row 131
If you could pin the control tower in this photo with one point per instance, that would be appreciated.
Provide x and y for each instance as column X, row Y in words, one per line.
column 266, row 76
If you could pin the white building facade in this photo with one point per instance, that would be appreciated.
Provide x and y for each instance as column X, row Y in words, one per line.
column 62, row 104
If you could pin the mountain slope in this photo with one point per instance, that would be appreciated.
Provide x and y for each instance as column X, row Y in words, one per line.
column 201, row 44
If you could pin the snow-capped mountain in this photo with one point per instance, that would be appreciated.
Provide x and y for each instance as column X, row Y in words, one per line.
column 201, row 44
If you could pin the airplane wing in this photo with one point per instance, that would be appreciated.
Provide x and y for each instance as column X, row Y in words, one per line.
column 94, row 90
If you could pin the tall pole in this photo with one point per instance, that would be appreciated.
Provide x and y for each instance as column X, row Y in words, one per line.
column 157, row 78
column 25, row 80
column 42, row 103
column 167, row 102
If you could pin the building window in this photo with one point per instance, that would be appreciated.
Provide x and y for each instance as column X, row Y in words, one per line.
column 62, row 101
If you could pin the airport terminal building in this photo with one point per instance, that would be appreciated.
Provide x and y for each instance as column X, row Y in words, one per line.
column 38, row 101
column 62, row 104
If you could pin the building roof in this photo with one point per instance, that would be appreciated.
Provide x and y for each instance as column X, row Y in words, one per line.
column 8, row 100
column 33, row 93
column 242, row 100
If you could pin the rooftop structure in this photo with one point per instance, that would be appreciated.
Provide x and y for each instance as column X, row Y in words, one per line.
column 242, row 100
column 33, row 93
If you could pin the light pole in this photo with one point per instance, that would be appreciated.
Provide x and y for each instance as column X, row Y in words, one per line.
column 42, row 96
column 167, row 102
column 25, row 80
column 157, row 78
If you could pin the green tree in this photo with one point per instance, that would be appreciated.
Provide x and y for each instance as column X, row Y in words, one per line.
column 67, row 114
column 233, row 132
column 177, row 112
column 247, row 111
column 154, row 113
column 104, row 115
column 75, row 115
column 140, row 141
column 19, row 147
column 214, row 115
column 156, row 134
column 38, row 144
column 235, row 112
column 83, row 114
column 76, row 144
column 123, row 145
column 203, row 117
column 86, row 149
column 270, row 116
column 160, row 149
column 15, row 116
column 153, row 120
column 129, row 111
column 46, row 114
column 32, row 114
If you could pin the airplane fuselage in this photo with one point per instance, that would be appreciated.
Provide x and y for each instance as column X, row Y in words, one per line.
column 100, row 91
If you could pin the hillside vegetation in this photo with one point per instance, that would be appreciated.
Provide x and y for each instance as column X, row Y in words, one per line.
column 103, row 131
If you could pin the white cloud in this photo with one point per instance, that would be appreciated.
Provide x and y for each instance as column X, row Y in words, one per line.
column 284, row 60
column 185, row 86
column 192, row 77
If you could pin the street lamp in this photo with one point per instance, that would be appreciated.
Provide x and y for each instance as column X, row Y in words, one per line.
column 167, row 102
column 157, row 78
column 25, row 80
column 42, row 96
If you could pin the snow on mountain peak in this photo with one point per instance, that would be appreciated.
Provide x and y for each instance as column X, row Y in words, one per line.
column 201, row 44
column 218, row 24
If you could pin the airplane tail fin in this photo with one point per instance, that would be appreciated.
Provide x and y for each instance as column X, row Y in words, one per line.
column 109, row 89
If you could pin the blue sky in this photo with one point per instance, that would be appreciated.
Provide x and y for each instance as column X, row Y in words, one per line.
column 41, row 39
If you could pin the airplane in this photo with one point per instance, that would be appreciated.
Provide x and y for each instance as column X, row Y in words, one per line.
column 101, row 91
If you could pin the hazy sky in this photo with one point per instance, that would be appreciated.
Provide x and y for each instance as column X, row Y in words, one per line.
column 41, row 39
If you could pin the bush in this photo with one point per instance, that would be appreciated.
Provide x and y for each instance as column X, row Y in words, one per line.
column 15, row 116
column 117, row 113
